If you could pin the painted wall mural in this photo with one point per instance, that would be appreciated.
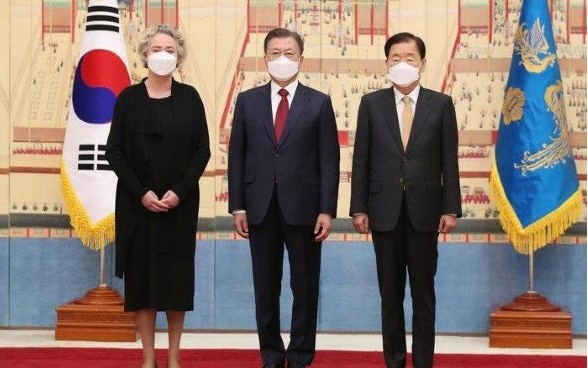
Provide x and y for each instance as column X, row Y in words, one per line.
column 469, row 46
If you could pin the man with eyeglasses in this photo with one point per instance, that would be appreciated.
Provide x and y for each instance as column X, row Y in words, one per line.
column 283, row 176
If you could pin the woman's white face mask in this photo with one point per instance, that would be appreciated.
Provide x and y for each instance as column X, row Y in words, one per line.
column 282, row 68
column 404, row 74
column 162, row 63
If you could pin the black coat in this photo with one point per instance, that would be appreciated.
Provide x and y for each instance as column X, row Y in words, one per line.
column 144, row 159
column 428, row 170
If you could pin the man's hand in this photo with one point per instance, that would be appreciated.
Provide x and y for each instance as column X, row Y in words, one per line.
column 447, row 224
column 361, row 222
column 240, row 224
column 323, row 227
column 153, row 204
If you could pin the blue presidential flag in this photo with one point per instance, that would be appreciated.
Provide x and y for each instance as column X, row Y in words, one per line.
column 88, row 183
column 533, row 175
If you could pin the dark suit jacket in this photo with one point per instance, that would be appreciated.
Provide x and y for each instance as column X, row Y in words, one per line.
column 303, row 166
column 428, row 169
column 143, row 159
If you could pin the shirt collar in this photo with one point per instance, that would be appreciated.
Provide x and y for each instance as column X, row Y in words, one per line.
column 414, row 94
column 291, row 88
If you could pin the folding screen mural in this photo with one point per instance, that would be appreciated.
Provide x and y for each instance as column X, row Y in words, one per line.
column 469, row 45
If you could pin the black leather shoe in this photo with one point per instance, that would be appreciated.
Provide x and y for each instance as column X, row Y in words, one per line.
column 280, row 365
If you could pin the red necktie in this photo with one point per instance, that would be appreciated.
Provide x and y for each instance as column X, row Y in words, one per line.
column 281, row 114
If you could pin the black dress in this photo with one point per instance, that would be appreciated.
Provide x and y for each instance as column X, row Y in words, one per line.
column 154, row 279
column 158, row 145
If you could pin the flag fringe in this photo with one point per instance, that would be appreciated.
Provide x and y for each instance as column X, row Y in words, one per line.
column 535, row 236
column 94, row 236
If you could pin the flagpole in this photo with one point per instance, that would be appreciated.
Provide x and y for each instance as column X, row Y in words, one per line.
column 102, row 283
column 531, row 284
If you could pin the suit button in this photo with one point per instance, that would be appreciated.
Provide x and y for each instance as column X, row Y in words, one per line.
column 276, row 155
column 404, row 158
column 402, row 180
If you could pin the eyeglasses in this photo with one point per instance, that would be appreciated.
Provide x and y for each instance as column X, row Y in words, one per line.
column 276, row 54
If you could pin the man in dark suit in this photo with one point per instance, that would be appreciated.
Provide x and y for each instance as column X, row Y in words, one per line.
column 283, row 186
column 405, row 190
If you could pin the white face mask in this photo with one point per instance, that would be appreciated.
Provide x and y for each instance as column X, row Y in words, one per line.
column 162, row 63
column 282, row 68
column 403, row 74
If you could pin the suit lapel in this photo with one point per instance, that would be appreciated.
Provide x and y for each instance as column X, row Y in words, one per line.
column 301, row 98
column 391, row 115
column 420, row 114
column 266, row 113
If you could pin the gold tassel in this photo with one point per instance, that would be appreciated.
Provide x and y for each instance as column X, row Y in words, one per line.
column 94, row 236
column 528, row 240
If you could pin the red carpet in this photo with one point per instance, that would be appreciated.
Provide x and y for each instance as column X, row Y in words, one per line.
column 209, row 358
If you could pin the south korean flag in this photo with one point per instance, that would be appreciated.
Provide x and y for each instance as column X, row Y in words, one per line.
column 88, row 184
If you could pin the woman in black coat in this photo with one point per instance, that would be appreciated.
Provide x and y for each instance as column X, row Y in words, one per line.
column 158, row 147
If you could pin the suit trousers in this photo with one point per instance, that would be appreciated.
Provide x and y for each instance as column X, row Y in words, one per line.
column 397, row 251
column 267, row 253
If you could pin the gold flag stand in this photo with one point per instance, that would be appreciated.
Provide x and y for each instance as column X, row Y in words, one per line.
column 530, row 321
column 97, row 316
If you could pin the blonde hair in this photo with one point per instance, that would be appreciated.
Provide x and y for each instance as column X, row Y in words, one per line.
column 165, row 29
